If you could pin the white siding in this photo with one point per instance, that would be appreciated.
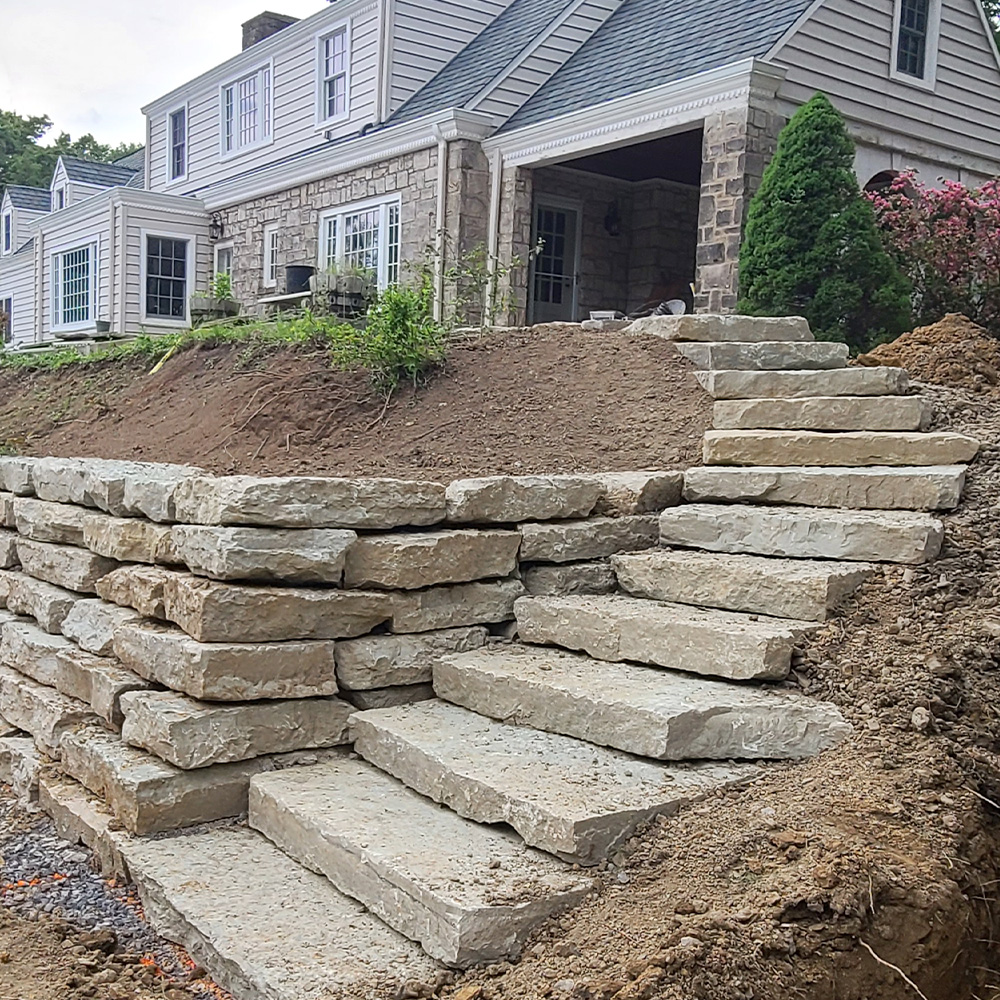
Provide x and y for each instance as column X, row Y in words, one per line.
column 156, row 219
column 845, row 49
column 17, row 281
column 80, row 229
column 23, row 218
column 428, row 34
column 294, row 83
column 552, row 51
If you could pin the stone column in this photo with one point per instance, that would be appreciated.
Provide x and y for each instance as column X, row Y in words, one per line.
column 516, row 199
column 466, row 225
column 738, row 144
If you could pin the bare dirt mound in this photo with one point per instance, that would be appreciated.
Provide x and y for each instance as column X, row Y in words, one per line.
column 954, row 352
column 548, row 399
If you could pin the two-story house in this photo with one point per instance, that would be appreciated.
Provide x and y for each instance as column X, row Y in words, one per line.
column 625, row 135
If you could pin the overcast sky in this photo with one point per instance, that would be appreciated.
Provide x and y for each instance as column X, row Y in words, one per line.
column 91, row 66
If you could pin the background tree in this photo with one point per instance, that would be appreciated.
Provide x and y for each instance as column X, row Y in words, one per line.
column 992, row 8
column 23, row 160
column 812, row 247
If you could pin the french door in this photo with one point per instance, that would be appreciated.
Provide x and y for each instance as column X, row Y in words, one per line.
column 554, row 272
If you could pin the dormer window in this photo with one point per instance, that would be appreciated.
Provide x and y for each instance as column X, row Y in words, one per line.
column 915, row 34
column 334, row 75
column 177, row 155
column 61, row 198
column 246, row 111
column 8, row 232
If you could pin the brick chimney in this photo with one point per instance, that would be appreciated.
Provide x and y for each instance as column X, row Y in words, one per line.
column 263, row 26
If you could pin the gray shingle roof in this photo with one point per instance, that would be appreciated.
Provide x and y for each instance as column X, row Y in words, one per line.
column 134, row 161
column 32, row 198
column 646, row 43
column 482, row 59
column 30, row 245
column 102, row 174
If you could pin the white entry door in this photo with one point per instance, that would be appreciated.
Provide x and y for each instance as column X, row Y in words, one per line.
column 554, row 278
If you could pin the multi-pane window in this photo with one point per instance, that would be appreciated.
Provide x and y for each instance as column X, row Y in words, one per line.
column 8, row 232
column 270, row 256
column 166, row 277
column 224, row 259
column 7, row 319
column 334, row 63
column 914, row 28
column 365, row 239
column 61, row 198
column 178, row 144
column 73, row 287
column 246, row 111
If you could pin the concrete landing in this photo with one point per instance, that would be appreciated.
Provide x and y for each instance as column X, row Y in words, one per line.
column 467, row 893
column 570, row 798
column 641, row 710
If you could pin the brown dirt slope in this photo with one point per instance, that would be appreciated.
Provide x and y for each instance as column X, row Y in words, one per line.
column 552, row 399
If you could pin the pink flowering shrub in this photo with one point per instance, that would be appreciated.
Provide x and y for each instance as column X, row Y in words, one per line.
column 947, row 242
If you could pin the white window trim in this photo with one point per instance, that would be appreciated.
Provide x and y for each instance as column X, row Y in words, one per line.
column 228, row 245
column 361, row 206
column 270, row 262
column 180, row 178
column 8, row 297
column 55, row 198
column 144, row 235
column 95, row 276
column 322, row 121
column 6, row 252
column 929, row 80
column 262, row 140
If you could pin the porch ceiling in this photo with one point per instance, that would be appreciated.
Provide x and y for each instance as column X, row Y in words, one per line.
column 672, row 158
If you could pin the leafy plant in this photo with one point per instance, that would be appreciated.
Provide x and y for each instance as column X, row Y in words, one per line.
column 947, row 241
column 222, row 286
column 812, row 247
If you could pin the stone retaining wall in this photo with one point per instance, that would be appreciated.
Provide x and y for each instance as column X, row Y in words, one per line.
column 169, row 633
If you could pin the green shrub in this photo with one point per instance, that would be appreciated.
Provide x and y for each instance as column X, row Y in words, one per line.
column 812, row 247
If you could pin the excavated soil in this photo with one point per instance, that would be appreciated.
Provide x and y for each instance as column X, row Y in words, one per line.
column 548, row 399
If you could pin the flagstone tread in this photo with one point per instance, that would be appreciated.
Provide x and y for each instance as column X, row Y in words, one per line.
column 824, row 413
column 573, row 799
column 765, row 355
column 467, row 893
column 734, row 384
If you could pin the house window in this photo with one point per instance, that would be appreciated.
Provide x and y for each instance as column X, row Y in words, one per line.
column 246, row 111
column 914, row 28
column 178, row 144
column 363, row 238
column 7, row 319
column 8, row 232
column 270, row 256
column 334, row 75
column 61, row 198
column 73, row 287
column 166, row 277
column 224, row 259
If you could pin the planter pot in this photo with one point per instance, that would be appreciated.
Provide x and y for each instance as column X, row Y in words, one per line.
column 342, row 284
column 297, row 278
column 102, row 327
column 209, row 305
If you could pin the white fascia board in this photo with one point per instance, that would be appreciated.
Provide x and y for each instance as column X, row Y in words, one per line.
column 421, row 133
column 174, row 203
column 286, row 38
column 54, row 221
column 644, row 115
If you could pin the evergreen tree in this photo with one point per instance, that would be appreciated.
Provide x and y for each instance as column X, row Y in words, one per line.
column 812, row 247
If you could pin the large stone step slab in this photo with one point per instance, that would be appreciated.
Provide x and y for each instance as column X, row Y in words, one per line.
column 454, row 606
column 467, row 893
column 848, row 450
column 64, row 565
column 40, row 710
column 783, row 588
column 716, row 328
column 272, row 555
column 880, row 487
column 92, row 624
column 641, row 710
column 824, row 413
column 49, row 605
column 15, row 474
column 797, row 384
column 512, row 499
column 677, row 636
column 805, row 532
column 308, row 502
column 148, row 795
column 570, row 798
column 266, row 928
column 766, row 356
column 211, row 611
column 43, row 521
column 129, row 539
column 595, row 538
column 192, row 734
column 569, row 578
column 227, row 672
column 137, row 587
column 9, row 557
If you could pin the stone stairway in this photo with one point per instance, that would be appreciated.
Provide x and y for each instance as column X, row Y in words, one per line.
column 645, row 673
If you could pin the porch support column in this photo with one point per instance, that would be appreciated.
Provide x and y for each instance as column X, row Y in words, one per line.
column 514, row 243
column 467, row 223
column 738, row 144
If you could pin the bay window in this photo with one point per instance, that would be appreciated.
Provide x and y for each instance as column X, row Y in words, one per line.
column 362, row 238
column 74, row 287
column 246, row 111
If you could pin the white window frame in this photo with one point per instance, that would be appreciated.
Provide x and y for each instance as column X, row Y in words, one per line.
column 229, row 245
column 271, row 256
column 56, row 290
column 7, row 229
column 9, row 297
column 144, row 236
column 170, row 179
column 382, row 205
column 323, row 121
column 60, row 196
column 264, row 125
column 929, row 80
